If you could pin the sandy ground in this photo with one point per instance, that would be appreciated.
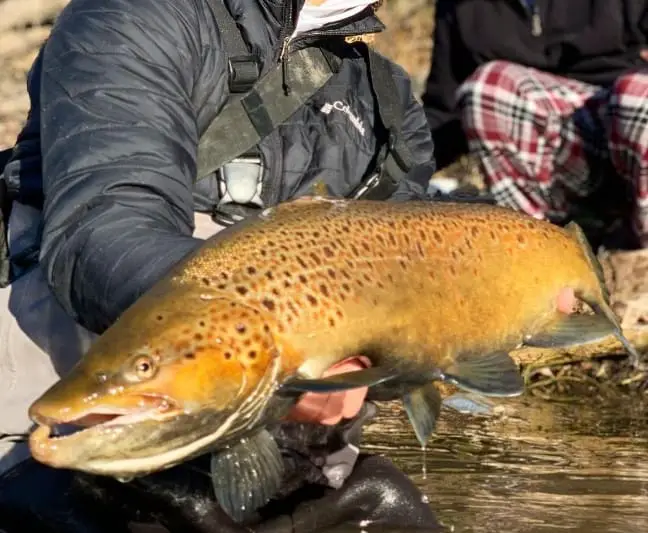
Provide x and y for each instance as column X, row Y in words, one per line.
column 24, row 24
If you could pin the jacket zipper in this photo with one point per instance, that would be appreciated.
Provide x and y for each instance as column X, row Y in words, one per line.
column 288, row 44
column 536, row 22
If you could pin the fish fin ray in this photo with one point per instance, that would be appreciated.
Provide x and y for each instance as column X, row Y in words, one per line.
column 493, row 374
column 571, row 330
column 247, row 475
column 339, row 382
column 423, row 407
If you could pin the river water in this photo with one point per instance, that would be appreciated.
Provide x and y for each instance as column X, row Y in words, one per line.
column 536, row 467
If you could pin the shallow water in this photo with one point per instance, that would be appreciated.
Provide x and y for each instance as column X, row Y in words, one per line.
column 536, row 467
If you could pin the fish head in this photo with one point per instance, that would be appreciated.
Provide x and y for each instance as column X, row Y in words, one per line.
column 170, row 380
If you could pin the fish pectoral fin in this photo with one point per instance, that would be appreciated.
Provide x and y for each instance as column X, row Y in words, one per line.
column 469, row 402
column 247, row 475
column 423, row 406
column 493, row 374
column 571, row 330
column 339, row 382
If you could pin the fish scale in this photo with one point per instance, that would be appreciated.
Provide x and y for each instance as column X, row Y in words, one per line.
column 225, row 345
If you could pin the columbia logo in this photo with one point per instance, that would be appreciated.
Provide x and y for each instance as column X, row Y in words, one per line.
column 344, row 108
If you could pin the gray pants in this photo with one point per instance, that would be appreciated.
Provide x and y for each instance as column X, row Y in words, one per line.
column 39, row 342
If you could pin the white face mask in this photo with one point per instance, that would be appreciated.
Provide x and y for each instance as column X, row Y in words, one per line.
column 315, row 16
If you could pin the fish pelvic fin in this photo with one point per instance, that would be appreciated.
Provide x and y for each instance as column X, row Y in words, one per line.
column 423, row 406
column 601, row 305
column 492, row 374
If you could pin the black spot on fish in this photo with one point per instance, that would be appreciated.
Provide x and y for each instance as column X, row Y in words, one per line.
column 268, row 304
column 303, row 278
column 251, row 270
column 301, row 262
column 190, row 355
column 240, row 328
column 206, row 281
column 159, row 318
column 324, row 290
column 437, row 237
column 227, row 355
column 327, row 251
column 311, row 299
column 242, row 290
column 252, row 354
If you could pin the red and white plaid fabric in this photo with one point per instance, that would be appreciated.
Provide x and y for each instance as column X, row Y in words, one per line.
column 535, row 135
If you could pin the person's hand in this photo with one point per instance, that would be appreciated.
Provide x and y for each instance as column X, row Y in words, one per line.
column 329, row 409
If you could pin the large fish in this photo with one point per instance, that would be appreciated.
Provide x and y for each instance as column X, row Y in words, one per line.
column 224, row 345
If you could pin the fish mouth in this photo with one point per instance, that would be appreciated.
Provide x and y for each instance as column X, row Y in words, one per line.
column 52, row 435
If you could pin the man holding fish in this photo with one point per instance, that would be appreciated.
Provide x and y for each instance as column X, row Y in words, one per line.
column 208, row 351
column 114, row 180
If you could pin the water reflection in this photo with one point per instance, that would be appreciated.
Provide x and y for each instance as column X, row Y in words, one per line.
column 537, row 467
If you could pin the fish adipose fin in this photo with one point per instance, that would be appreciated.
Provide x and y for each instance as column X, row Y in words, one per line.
column 493, row 374
column 247, row 475
column 339, row 382
column 423, row 407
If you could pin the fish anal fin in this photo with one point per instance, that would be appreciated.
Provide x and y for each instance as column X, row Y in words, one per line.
column 571, row 330
column 423, row 406
column 247, row 475
column 492, row 374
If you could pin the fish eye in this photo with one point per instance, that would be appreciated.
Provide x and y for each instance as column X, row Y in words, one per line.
column 144, row 367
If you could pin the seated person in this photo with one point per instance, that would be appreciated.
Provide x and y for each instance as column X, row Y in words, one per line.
column 550, row 98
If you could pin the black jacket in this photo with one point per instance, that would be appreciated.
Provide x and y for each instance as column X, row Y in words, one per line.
column 120, row 96
column 593, row 41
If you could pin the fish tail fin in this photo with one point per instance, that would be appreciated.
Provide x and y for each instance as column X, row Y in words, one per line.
column 600, row 303
column 578, row 235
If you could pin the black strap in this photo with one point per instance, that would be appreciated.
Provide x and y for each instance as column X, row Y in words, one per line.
column 243, row 67
column 5, row 211
column 398, row 158
column 244, row 122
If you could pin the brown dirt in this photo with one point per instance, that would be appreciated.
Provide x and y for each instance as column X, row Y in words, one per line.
column 24, row 24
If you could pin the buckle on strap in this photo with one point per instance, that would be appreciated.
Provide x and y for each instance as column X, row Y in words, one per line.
column 243, row 73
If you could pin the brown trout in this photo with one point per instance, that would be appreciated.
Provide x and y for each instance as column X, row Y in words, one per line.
column 223, row 346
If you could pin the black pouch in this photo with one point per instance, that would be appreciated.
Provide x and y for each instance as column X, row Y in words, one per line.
column 5, row 208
